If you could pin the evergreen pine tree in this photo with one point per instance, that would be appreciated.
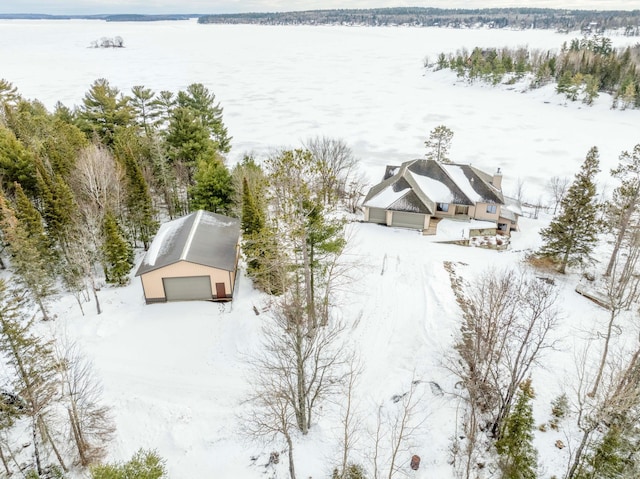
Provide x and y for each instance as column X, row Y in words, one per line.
column 140, row 214
column 213, row 189
column 252, row 216
column 117, row 252
column 30, row 220
column 439, row 143
column 17, row 163
column 518, row 457
column 571, row 235
column 203, row 103
column 143, row 465
column 59, row 206
column 145, row 109
column 29, row 262
column 104, row 110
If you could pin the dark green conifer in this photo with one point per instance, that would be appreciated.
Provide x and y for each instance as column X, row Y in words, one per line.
column 117, row 252
column 213, row 189
column 518, row 457
column 572, row 234
column 253, row 217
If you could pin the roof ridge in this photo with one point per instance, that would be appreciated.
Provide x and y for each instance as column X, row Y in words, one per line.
column 192, row 232
column 455, row 183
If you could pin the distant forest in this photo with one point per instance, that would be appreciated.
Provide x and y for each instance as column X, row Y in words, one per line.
column 455, row 18
column 547, row 18
column 124, row 17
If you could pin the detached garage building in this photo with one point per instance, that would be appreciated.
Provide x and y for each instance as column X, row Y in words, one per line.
column 192, row 258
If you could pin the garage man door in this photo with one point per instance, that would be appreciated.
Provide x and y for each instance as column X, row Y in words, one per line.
column 188, row 288
column 377, row 215
column 408, row 220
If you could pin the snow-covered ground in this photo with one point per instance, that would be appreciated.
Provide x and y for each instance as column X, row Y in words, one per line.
column 175, row 374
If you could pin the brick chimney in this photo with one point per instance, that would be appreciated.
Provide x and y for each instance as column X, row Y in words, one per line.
column 496, row 181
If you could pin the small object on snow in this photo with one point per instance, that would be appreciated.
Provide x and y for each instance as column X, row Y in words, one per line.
column 559, row 444
column 255, row 310
column 274, row 458
column 397, row 397
column 415, row 462
column 436, row 390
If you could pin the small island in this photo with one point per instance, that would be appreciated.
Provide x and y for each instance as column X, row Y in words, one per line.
column 105, row 42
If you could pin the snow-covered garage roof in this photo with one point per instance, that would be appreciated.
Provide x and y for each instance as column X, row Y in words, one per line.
column 201, row 237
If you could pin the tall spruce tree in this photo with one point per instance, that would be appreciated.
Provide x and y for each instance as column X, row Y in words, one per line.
column 130, row 151
column 118, row 253
column 30, row 260
column 213, row 188
column 253, row 216
column 518, row 457
column 572, row 234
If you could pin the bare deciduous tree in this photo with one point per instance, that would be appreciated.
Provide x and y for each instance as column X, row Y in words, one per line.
column 558, row 188
column 507, row 318
column 615, row 404
column 622, row 291
column 32, row 365
column 298, row 370
column 336, row 167
column 351, row 421
column 396, row 426
column 90, row 423
column 97, row 181
column 622, row 210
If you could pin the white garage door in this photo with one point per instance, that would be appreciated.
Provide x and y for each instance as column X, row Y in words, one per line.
column 407, row 220
column 377, row 215
column 187, row 288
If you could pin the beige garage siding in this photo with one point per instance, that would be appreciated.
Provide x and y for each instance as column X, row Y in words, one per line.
column 154, row 289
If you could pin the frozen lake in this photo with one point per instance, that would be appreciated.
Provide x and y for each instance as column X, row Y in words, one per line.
column 282, row 85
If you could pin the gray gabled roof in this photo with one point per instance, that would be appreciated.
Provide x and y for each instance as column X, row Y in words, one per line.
column 432, row 182
column 201, row 237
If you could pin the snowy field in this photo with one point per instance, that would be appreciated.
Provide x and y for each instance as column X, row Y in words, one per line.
column 175, row 374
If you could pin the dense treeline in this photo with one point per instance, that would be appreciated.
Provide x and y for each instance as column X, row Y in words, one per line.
column 82, row 187
column 582, row 69
column 125, row 17
column 458, row 18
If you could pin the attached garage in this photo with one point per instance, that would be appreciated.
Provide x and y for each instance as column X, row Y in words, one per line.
column 192, row 258
column 377, row 215
column 405, row 219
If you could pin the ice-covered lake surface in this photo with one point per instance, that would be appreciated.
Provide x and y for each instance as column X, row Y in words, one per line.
column 280, row 86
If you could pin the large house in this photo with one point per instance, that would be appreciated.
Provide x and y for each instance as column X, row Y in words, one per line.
column 192, row 258
column 418, row 193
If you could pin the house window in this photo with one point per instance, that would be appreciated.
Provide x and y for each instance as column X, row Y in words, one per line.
column 492, row 209
column 443, row 207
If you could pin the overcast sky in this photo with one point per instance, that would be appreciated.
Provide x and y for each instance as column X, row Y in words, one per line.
column 231, row 6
